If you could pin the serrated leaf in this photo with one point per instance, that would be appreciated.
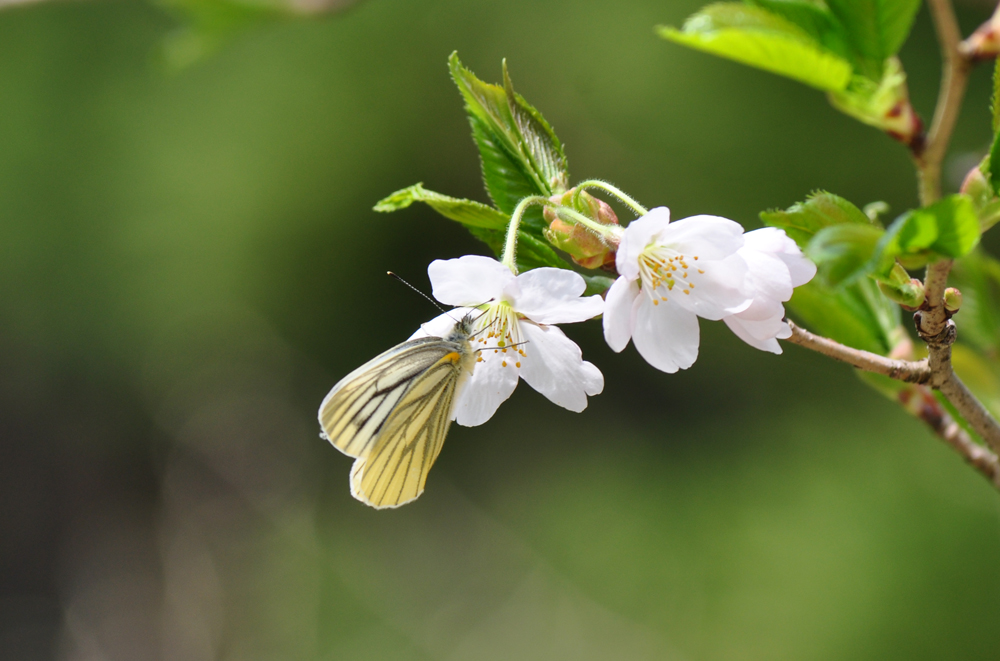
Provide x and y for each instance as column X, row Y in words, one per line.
column 844, row 252
column 803, row 220
column 519, row 152
column 857, row 315
column 875, row 29
column 812, row 16
column 948, row 228
column 468, row 212
column 531, row 252
column 597, row 284
column 754, row 36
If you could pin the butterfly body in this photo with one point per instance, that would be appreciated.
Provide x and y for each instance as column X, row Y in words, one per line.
column 392, row 414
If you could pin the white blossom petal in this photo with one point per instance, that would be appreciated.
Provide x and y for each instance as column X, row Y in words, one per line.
column 441, row 325
column 482, row 394
column 554, row 296
column 637, row 235
column 775, row 242
column 709, row 237
column 768, row 274
column 468, row 280
column 720, row 291
column 619, row 318
column 744, row 331
column 666, row 335
column 554, row 366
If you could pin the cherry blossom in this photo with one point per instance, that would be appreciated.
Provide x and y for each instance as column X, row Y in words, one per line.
column 515, row 332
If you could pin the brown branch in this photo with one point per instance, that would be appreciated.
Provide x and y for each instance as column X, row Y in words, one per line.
column 901, row 370
column 920, row 401
column 927, row 408
column 955, row 75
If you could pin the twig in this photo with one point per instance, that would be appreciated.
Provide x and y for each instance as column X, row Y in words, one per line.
column 901, row 370
column 955, row 75
column 919, row 401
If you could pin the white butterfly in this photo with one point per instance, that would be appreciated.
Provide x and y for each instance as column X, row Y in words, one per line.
column 393, row 413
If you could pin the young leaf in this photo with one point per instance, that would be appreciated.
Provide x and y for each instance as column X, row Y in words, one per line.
column 844, row 252
column 876, row 29
column 765, row 40
column 947, row 228
column 531, row 252
column 803, row 220
column 813, row 17
column 467, row 212
column 857, row 315
column 520, row 153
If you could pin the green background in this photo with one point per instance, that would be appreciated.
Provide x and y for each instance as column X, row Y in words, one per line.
column 189, row 261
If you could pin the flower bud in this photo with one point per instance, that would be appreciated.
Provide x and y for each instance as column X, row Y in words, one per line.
column 952, row 300
column 586, row 248
column 984, row 43
column 977, row 187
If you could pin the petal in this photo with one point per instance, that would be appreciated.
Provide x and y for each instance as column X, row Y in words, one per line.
column 709, row 237
column 742, row 331
column 482, row 394
column 720, row 290
column 468, row 280
column 666, row 335
column 763, row 309
column 769, row 275
column 775, row 242
column 618, row 313
column 441, row 325
column 554, row 366
column 553, row 296
column 637, row 235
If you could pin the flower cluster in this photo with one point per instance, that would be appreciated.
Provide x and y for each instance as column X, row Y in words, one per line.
column 670, row 274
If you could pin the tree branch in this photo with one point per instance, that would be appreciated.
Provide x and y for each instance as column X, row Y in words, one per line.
column 949, row 431
column 955, row 75
column 901, row 370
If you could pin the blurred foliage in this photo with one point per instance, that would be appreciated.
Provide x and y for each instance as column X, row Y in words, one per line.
column 190, row 262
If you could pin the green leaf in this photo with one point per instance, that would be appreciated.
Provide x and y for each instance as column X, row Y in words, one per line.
column 754, row 36
column 597, row 284
column 531, row 252
column 995, row 105
column 857, row 315
column 803, row 220
column 812, row 16
column 876, row 29
column 520, row 153
column 948, row 228
column 844, row 252
column 977, row 276
column 467, row 212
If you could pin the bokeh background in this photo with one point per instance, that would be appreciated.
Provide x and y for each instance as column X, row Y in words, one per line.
column 189, row 261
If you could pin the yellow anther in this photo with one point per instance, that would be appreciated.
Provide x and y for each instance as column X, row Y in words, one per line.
column 700, row 271
column 504, row 363
column 517, row 364
column 696, row 256
column 686, row 291
column 655, row 302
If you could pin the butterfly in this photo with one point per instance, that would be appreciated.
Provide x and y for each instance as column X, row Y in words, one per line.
column 393, row 413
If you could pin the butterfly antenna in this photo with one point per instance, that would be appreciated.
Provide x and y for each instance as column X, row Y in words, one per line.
column 433, row 302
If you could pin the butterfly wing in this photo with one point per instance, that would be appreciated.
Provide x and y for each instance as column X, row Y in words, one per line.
column 357, row 408
column 395, row 469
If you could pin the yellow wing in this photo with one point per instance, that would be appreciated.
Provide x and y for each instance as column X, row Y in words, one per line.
column 357, row 408
column 395, row 469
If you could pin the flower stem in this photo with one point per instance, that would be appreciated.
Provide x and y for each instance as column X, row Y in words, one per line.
column 509, row 258
column 614, row 190
column 610, row 233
